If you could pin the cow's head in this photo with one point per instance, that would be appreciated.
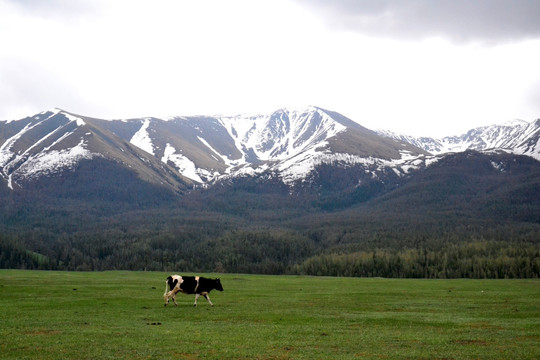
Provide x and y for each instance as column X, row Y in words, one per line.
column 218, row 285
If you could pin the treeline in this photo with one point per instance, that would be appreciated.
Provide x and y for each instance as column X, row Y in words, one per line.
column 279, row 252
column 14, row 256
column 478, row 260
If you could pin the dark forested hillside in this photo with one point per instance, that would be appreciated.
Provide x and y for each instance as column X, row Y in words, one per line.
column 468, row 215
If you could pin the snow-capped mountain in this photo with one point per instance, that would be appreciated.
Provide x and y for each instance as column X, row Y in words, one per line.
column 55, row 141
column 288, row 143
column 517, row 136
column 180, row 152
column 32, row 146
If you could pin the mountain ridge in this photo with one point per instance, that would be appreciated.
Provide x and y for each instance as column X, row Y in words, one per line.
column 516, row 136
column 185, row 151
column 204, row 149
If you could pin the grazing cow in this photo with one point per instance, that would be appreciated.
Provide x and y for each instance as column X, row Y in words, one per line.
column 190, row 285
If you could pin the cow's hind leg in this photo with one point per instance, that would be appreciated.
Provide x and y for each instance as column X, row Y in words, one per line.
column 196, row 298
column 166, row 298
column 166, row 293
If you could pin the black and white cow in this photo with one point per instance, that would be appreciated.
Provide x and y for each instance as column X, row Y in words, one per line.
column 190, row 285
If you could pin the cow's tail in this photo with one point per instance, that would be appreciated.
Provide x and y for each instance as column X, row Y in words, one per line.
column 167, row 286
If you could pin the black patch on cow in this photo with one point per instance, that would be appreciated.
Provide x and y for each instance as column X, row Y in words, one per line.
column 172, row 283
column 188, row 285
column 204, row 285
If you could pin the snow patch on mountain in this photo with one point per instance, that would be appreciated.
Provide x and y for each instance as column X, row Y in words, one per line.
column 46, row 163
column 295, row 169
column 5, row 150
column 142, row 139
column 282, row 135
column 49, row 162
column 78, row 120
column 208, row 146
column 497, row 165
column 185, row 166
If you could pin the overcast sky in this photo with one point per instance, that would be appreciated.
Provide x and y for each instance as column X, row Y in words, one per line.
column 419, row 67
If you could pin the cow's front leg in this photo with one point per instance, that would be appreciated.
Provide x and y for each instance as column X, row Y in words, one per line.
column 208, row 298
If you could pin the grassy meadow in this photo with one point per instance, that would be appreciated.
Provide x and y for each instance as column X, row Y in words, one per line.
column 120, row 315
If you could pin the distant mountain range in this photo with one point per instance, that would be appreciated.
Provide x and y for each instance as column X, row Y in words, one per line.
column 517, row 137
column 182, row 152
column 294, row 191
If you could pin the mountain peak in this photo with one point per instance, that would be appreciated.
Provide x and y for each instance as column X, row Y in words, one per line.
column 298, row 109
column 514, row 123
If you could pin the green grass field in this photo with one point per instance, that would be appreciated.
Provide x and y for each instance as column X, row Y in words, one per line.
column 120, row 315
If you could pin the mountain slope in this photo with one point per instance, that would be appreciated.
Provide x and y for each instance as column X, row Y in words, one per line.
column 490, row 186
column 463, row 198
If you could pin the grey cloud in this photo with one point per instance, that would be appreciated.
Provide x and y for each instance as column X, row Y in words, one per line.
column 491, row 21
